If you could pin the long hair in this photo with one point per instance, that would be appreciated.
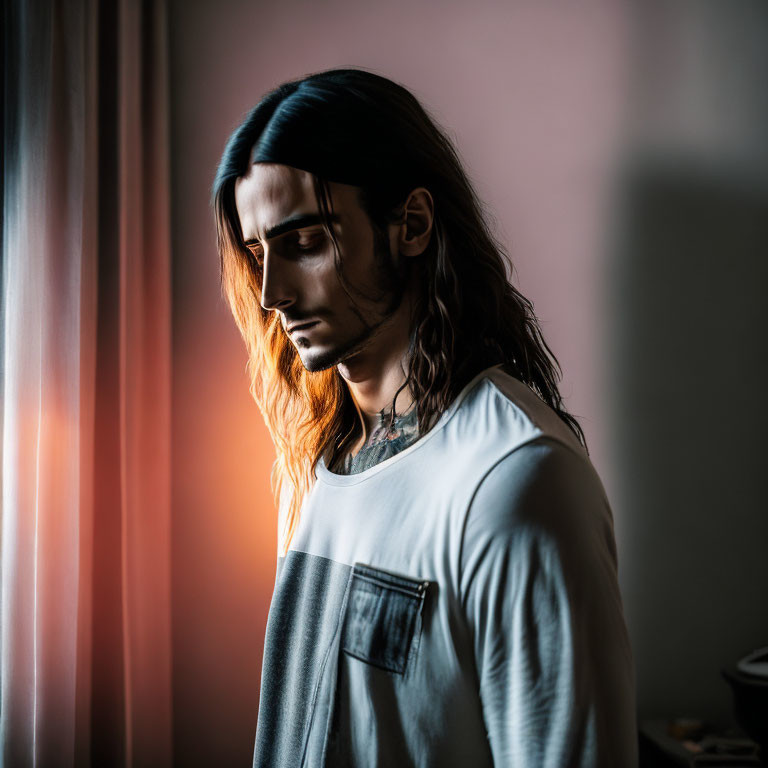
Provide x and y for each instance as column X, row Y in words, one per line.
column 355, row 127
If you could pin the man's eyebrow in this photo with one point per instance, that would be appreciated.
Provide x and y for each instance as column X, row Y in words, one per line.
column 295, row 222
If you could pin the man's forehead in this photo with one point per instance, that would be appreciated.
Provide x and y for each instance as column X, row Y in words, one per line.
column 269, row 193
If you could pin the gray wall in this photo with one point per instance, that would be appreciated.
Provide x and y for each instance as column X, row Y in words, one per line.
column 688, row 280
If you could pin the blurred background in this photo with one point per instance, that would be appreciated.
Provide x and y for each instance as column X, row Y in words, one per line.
column 621, row 150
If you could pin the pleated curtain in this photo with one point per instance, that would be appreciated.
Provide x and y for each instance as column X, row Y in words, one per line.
column 85, row 640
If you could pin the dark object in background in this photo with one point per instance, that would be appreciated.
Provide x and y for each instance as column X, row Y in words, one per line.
column 755, row 664
column 750, row 703
column 673, row 743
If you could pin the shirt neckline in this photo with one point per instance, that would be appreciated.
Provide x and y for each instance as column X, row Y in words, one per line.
column 331, row 478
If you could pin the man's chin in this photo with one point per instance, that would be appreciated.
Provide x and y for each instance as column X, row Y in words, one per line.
column 316, row 364
column 315, row 360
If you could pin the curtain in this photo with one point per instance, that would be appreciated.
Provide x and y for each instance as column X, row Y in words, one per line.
column 85, row 644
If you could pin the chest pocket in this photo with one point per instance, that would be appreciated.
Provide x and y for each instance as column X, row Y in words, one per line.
column 381, row 617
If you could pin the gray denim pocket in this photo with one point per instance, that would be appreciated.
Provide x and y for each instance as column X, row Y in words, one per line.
column 381, row 615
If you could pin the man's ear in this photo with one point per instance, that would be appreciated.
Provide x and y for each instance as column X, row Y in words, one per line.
column 415, row 229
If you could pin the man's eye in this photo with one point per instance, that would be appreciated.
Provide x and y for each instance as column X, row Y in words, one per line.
column 308, row 244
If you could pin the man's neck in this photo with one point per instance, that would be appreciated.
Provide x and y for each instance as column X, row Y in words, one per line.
column 375, row 376
column 373, row 395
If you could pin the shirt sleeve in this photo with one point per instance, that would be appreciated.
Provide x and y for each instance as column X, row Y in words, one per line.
column 540, row 594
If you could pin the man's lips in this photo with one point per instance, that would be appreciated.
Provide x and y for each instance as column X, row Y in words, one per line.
column 303, row 325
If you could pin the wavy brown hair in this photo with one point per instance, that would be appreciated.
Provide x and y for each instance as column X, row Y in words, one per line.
column 355, row 127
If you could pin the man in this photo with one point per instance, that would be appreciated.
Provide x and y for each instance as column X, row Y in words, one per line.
column 446, row 590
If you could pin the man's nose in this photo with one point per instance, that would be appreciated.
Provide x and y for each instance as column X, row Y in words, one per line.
column 277, row 290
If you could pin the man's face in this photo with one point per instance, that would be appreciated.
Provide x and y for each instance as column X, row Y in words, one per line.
column 279, row 217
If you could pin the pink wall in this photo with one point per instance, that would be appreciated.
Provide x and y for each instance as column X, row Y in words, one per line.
column 532, row 94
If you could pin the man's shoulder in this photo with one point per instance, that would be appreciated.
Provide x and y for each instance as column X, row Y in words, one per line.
column 529, row 466
column 498, row 408
column 540, row 478
column 542, row 504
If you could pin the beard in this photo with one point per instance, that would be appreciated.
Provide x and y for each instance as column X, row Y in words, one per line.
column 393, row 283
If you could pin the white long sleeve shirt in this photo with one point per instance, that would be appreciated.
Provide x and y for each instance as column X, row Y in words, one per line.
column 456, row 604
